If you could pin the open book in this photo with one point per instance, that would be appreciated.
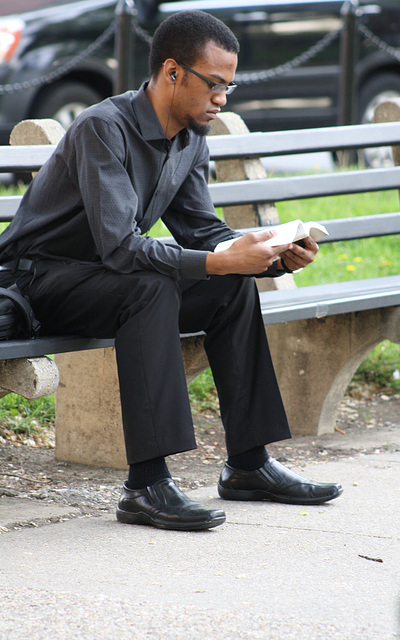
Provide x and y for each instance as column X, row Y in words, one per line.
column 295, row 231
column 286, row 233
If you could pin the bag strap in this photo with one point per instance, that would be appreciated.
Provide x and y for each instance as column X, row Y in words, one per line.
column 31, row 325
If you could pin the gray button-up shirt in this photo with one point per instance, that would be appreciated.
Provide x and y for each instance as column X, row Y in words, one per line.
column 113, row 175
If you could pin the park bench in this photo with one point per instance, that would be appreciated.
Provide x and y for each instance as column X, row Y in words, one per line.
column 318, row 335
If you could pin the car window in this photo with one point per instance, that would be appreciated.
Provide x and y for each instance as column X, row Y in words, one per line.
column 22, row 6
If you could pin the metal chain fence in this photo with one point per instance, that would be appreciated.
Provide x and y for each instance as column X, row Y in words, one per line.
column 268, row 74
column 378, row 43
column 63, row 69
column 240, row 78
column 139, row 31
column 306, row 56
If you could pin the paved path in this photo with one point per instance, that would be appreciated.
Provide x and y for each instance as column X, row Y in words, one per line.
column 272, row 572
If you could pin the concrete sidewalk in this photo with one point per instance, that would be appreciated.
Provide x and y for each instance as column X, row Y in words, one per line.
column 271, row 572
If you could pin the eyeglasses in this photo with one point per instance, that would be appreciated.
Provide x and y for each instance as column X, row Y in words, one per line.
column 216, row 87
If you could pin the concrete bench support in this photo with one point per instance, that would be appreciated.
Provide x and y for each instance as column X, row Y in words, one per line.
column 389, row 111
column 31, row 378
column 316, row 359
column 88, row 417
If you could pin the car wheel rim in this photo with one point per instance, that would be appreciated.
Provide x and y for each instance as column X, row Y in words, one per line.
column 68, row 112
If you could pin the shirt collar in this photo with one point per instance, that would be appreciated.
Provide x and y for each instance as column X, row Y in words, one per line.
column 149, row 124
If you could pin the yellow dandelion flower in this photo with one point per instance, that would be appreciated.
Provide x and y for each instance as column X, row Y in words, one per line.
column 386, row 263
column 358, row 259
column 350, row 267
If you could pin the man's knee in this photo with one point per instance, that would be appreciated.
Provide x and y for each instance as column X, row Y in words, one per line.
column 150, row 292
column 237, row 287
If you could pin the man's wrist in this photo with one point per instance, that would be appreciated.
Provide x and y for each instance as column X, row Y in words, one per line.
column 216, row 264
column 284, row 267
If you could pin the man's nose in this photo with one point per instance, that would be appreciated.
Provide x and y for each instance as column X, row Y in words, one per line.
column 219, row 99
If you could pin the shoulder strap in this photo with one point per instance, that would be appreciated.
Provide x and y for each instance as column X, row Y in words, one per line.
column 31, row 325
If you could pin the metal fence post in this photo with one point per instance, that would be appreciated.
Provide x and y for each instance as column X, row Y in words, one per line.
column 124, row 46
column 349, row 44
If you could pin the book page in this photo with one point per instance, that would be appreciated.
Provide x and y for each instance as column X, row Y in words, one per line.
column 296, row 230
column 286, row 233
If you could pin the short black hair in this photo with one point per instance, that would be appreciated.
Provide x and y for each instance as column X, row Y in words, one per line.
column 183, row 35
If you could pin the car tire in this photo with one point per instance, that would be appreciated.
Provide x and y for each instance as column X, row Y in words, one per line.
column 64, row 101
column 373, row 92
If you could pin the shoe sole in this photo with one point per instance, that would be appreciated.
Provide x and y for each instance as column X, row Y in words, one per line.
column 127, row 517
column 258, row 495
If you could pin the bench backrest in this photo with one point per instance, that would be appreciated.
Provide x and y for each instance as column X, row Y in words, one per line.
column 27, row 158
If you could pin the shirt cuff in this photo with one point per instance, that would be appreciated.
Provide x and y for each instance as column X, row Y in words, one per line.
column 221, row 246
column 193, row 264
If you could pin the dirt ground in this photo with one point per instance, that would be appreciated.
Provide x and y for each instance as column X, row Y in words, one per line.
column 365, row 425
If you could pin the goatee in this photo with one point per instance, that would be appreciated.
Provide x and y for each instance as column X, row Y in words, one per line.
column 199, row 129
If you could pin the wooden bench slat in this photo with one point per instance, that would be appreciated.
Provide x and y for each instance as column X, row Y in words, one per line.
column 277, row 189
column 329, row 299
column 32, row 157
column 8, row 207
column 24, row 158
column 303, row 141
column 299, row 187
column 259, row 144
column 372, row 226
column 45, row 345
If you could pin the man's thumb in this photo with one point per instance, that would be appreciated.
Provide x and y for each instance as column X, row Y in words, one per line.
column 265, row 234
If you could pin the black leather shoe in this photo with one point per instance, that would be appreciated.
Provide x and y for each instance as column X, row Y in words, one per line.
column 274, row 482
column 164, row 506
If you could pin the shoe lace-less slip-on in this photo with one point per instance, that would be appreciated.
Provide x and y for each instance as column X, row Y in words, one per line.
column 164, row 506
column 274, row 482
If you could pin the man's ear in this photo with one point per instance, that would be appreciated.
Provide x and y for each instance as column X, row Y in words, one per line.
column 170, row 69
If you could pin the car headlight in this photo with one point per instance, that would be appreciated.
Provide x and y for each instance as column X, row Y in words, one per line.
column 10, row 35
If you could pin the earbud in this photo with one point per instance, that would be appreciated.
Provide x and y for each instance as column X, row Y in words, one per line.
column 173, row 77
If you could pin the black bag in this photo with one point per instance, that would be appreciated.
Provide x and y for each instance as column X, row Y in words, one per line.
column 17, row 319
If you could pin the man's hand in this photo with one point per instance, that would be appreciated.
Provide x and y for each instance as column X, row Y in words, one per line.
column 297, row 256
column 247, row 255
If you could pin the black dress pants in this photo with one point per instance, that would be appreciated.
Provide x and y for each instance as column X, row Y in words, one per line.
column 145, row 311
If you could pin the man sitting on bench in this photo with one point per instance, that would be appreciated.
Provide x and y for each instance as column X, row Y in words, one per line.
column 82, row 225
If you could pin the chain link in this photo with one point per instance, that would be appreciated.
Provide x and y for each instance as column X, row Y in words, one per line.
column 63, row 69
column 139, row 31
column 380, row 44
column 264, row 76
column 268, row 74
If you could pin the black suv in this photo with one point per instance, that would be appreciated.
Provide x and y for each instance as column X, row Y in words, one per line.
column 39, row 42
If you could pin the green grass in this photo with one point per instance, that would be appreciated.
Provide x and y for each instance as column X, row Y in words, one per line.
column 202, row 393
column 21, row 418
column 351, row 260
column 381, row 369
column 12, row 190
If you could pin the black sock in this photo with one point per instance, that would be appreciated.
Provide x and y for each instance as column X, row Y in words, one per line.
column 144, row 474
column 249, row 460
